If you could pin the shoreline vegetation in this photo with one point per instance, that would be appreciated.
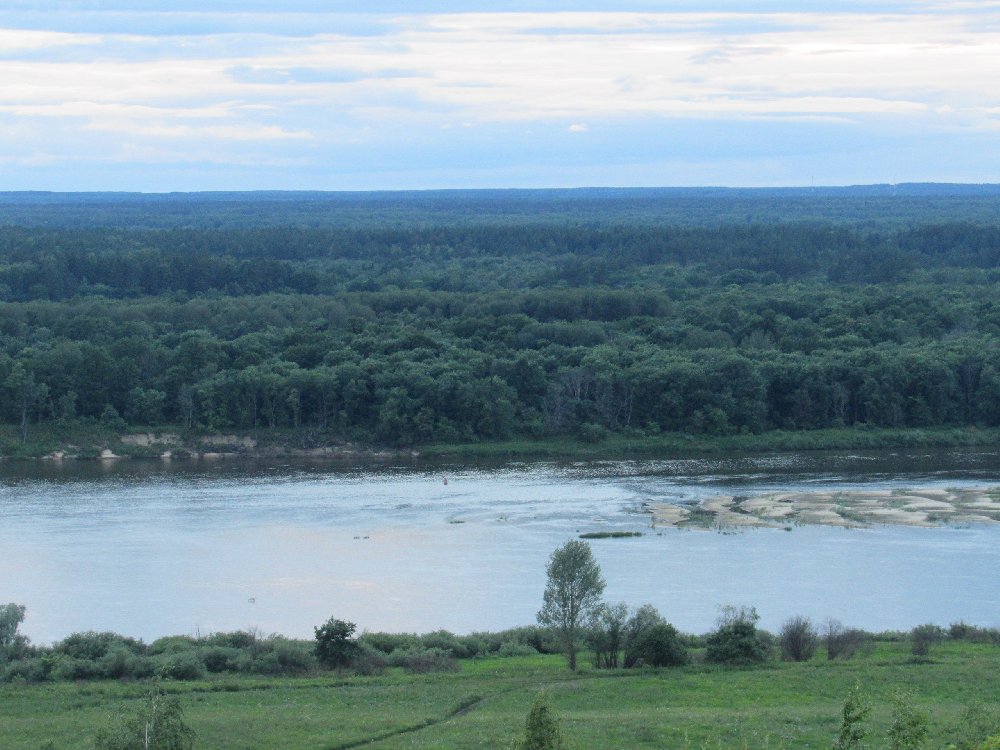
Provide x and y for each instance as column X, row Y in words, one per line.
column 244, row 689
column 82, row 441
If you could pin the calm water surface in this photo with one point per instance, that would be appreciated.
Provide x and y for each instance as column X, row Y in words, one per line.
column 152, row 548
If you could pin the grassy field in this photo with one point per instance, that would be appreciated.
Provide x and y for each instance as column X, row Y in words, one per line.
column 781, row 705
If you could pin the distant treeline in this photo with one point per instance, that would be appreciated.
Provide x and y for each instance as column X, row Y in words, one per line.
column 447, row 332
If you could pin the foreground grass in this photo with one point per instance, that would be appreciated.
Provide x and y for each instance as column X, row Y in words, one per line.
column 780, row 705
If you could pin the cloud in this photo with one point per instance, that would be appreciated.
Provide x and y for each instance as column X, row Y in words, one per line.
column 316, row 75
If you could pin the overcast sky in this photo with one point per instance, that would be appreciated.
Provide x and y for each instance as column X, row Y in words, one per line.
column 160, row 95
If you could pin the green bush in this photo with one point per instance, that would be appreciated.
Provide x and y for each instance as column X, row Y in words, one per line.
column 184, row 666
column 92, row 645
column 389, row 642
column 423, row 660
column 173, row 644
column 737, row 641
column 28, row 670
column 71, row 668
column 122, row 664
column 368, row 661
column 923, row 637
column 660, row 646
column 445, row 641
column 514, row 648
column 220, row 659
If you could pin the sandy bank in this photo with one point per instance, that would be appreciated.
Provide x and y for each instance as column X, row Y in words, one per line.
column 907, row 507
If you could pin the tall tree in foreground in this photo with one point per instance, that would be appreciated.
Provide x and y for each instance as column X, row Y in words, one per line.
column 573, row 590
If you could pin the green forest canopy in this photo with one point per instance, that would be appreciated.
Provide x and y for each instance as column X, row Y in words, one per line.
column 409, row 318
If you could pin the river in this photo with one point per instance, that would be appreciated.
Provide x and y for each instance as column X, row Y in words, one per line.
column 150, row 548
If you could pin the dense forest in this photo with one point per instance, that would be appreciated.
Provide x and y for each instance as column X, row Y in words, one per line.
column 462, row 316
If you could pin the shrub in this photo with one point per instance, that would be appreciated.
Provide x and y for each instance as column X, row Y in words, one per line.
column 29, row 670
column 660, row 646
column 71, row 668
column 122, row 664
column 843, row 643
column 909, row 726
column 445, row 641
column 389, row 642
column 293, row 657
column 184, row 666
column 220, row 658
column 923, row 637
column 158, row 724
column 641, row 620
column 853, row 726
column 798, row 639
column 368, row 661
column 737, row 640
column 244, row 640
column 541, row 729
column 513, row 648
column 92, row 646
column 423, row 660
column 172, row 644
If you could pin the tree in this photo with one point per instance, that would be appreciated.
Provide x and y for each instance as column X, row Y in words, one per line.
column 11, row 642
column 606, row 636
column 642, row 620
column 157, row 725
column 334, row 647
column 573, row 590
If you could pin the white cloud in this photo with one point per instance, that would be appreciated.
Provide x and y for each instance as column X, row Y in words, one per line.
column 925, row 66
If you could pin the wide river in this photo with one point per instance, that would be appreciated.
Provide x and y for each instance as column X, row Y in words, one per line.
column 155, row 548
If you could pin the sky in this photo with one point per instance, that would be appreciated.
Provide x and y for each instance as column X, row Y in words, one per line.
column 177, row 95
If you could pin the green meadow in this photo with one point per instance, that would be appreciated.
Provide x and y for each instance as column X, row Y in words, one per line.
column 484, row 704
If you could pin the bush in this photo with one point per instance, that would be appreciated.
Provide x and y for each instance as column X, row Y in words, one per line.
column 737, row 640
column 173, row 644
column 92, row 646
column 389, row 642
column 923, row 637
column 423, row 660
column 641, row 620
column 184, row 666
column 244, row 640
column 513, row 648
column 444, row 641
column 798, row 639
column 660, row 646
column 843, row 643
column 293, row 657
column 122, row 664
column 541, row 729
column 71, row 668
column 368, row 661
column 28, row 670
column 220, row 659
